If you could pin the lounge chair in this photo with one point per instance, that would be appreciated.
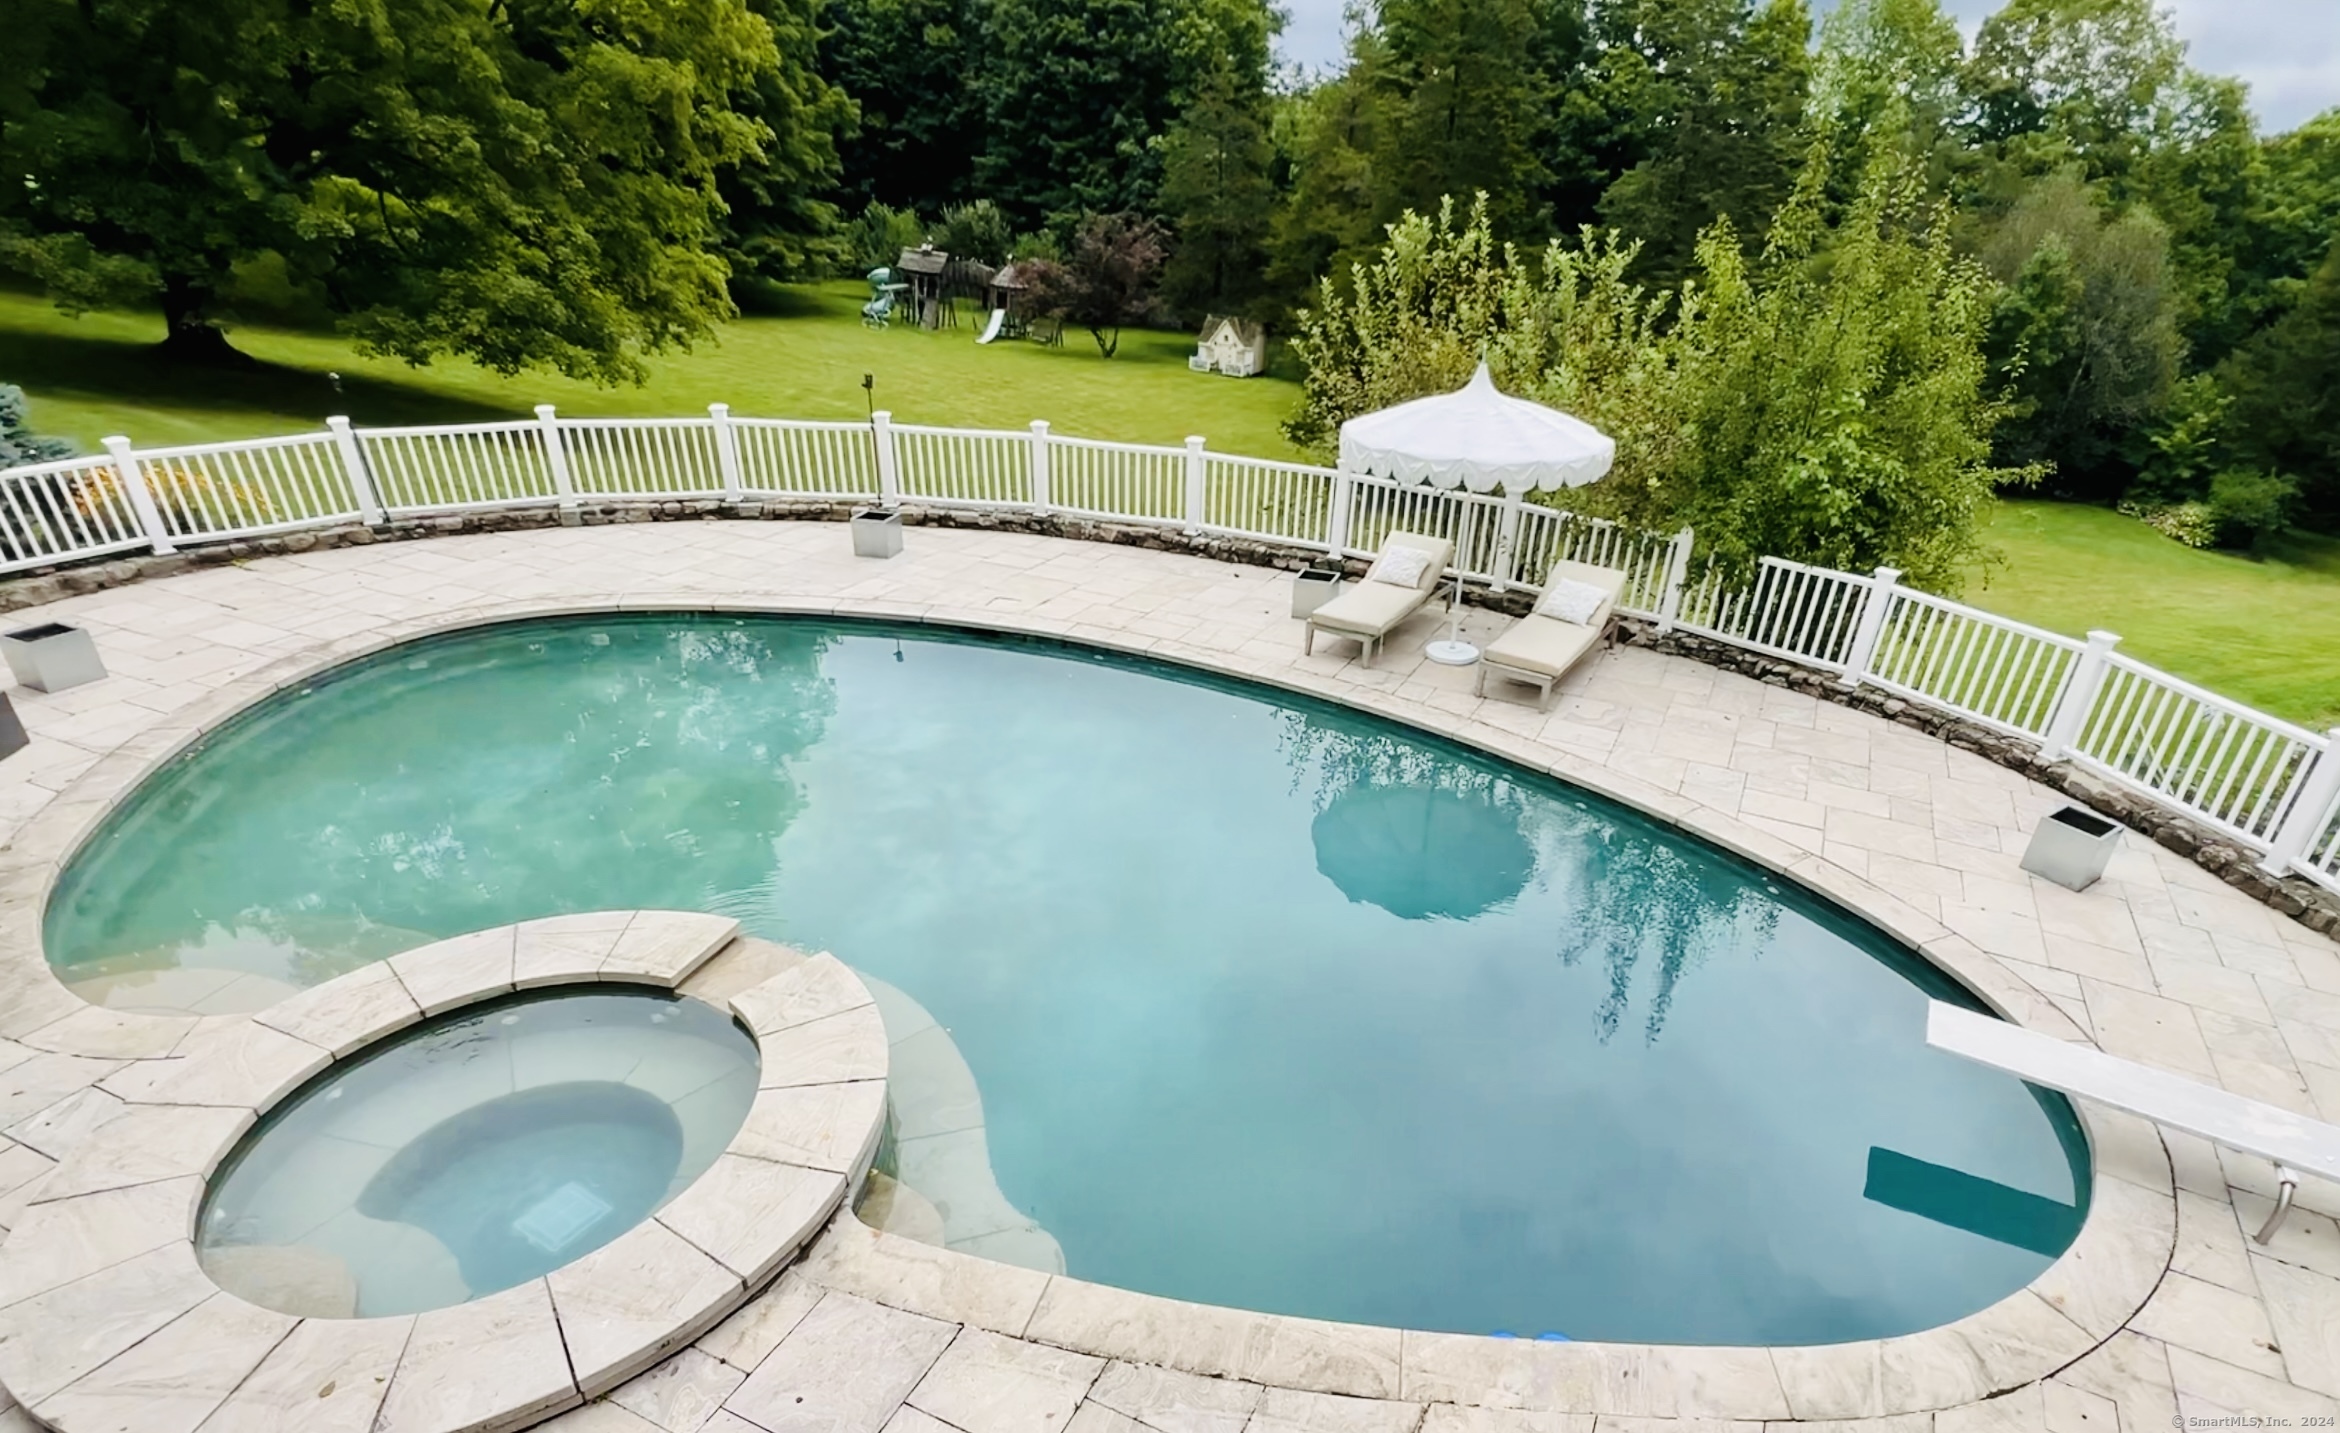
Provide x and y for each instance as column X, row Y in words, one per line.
column 1539, row 649
column 1371, row 610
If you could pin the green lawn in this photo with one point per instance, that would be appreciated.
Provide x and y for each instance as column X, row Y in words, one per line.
column 96, row 375
column 2266, row 633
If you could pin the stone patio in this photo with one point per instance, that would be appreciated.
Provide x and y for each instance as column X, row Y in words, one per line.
column 2160, row 963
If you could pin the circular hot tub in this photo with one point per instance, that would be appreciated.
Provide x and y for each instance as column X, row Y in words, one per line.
column 476, row 1151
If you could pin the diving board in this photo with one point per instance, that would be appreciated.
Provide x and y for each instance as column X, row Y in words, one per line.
column 2293, row 1142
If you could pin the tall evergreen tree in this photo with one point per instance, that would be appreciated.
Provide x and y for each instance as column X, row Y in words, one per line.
column 1329, row 134
column 1074, row 94
column 1710, row 96
column 1217, row 190
column 1468, row 106
column 905, row 63
column 2285, row 389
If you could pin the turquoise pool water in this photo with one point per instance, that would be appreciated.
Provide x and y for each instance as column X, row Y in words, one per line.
column 475, row 1152
column 1270, row 1003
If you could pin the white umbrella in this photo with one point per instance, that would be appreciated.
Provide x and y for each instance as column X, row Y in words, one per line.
column 1477, row 438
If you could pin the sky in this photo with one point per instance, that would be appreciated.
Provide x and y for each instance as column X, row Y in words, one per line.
column 2287, row 50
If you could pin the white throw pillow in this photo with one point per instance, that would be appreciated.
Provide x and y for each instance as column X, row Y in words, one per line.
column 1571, row 601
column 1400, row 567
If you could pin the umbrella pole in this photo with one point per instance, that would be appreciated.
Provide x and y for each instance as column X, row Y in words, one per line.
column 1452, row 650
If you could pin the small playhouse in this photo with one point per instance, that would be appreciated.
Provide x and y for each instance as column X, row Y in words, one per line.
column 1236, row 347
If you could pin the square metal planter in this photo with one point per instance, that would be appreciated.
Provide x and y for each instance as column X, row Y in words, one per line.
column 52, row 656
column 1312, row 587
column 877, row 532
column 2072, row 848
column 12, row 737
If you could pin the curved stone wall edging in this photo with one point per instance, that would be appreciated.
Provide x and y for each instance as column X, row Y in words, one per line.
column 108, row 1320
column 2118, row 1259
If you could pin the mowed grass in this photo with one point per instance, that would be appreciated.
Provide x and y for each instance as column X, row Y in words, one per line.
column 97, row 375
column 2266, row 633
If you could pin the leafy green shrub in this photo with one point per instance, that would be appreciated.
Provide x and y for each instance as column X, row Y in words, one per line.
column 877, row 238
column 977, row 231
column 2251, row 507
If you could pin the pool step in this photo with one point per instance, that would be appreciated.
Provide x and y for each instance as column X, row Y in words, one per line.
column 942, row 1157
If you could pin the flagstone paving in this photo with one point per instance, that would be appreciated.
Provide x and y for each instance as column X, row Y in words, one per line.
column 2159, row 963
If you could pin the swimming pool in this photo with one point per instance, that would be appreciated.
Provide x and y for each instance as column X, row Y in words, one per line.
column 1270, row 1003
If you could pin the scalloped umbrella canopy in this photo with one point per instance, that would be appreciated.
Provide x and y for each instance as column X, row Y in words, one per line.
column 1422, row 852
column 1480, row 438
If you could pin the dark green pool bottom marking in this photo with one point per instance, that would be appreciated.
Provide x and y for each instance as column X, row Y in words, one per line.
column 1995, row 1211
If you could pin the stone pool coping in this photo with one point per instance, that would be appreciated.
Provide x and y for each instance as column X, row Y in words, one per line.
column 2083, row 1299
column 107, row 1320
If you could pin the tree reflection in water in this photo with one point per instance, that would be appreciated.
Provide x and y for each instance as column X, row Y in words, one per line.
column 637, row 778
column 1429, row 833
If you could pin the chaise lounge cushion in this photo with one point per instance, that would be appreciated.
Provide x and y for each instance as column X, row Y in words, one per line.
column 1369, row 608
column 1546, row 646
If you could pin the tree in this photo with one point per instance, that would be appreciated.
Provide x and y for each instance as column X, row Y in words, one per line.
column 1106, row 281
column 2295, row 216
column 529, row 183
column 18, row 443
column 780, row 218
column 1330, row 132
column 1887, row 73
column 905, row 63
column 2084, row 340
column 1468, row 107
column 1711, row 95
column 2202, row 178
column 1072, row 94
column 2285, row 389
column 1826, row 401
column 1217, row 191
column 2053, row 81
column 876, row 238
column 977, row 231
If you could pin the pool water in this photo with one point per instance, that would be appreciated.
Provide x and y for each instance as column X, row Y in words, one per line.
column 476, row 1152
column 1269, row 1003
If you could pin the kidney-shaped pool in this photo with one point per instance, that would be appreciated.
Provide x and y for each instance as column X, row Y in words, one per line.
column 1269, row 1003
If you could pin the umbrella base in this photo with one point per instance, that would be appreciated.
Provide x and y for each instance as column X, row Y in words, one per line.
column 1448, row 652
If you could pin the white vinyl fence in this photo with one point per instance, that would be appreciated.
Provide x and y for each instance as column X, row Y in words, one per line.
column 2264, row 783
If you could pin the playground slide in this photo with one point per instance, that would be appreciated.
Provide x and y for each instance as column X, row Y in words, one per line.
column 991, row 329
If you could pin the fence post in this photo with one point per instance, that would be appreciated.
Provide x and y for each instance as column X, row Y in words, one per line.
column 727, row 451
column 1336, row 523
column 353, row 462
column 1040, row 467
column 2079, row 698
column 2319, row 790
column 881, row 436
column 1196, row 468
column 1677, row 574
column 1506, row 540
column 556, row 457
column 133, row 481
column 1872, row 626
